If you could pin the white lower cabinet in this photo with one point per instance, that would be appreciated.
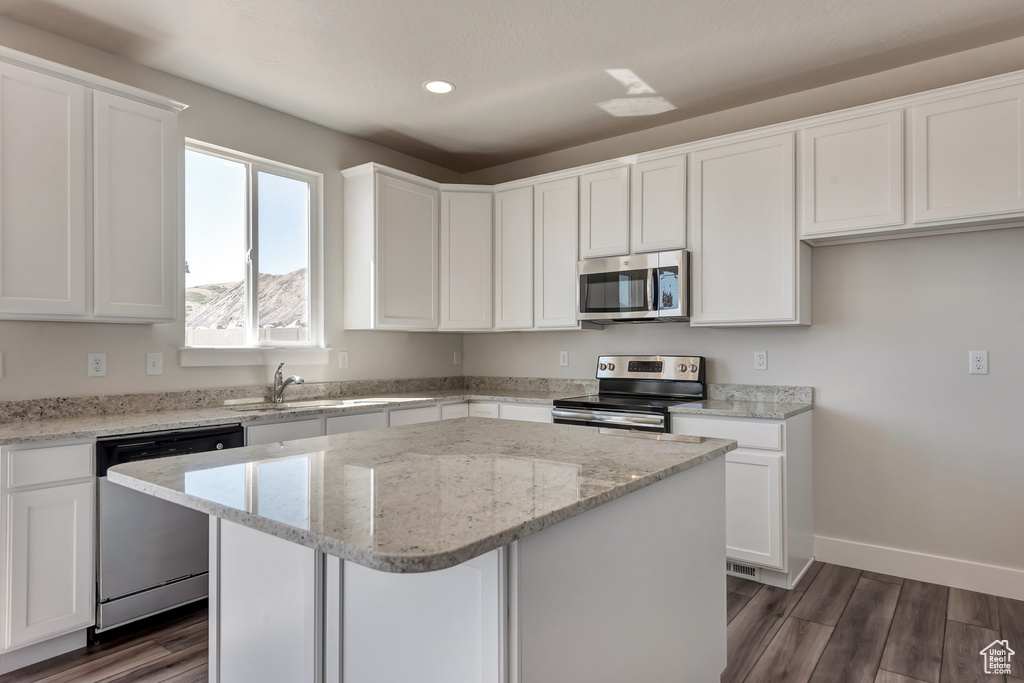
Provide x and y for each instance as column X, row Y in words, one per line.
column 47, row 508
column 274, row 432
column 412, row 416
column 444, row 626
column 768, row 492
column 345, row 424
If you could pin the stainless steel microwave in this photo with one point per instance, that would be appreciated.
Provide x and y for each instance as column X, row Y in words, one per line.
column 638, row 288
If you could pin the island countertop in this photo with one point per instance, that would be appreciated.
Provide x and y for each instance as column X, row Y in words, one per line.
column 421, row 497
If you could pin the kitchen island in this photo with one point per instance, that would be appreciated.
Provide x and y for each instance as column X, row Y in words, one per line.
column 464, row 550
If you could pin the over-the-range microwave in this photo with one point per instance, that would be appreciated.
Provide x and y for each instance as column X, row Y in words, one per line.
column 638, row 288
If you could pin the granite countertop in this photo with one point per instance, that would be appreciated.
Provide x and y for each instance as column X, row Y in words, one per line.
column 767, row 410
column 94, row 426
column 421, row 497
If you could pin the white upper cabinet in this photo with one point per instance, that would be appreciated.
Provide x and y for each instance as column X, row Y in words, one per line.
column 513, row 259
column 658, row 204
column 745, row 258
column 466, row 253
column 556, row 220
column 391, row 251
column 968, row 156
column 135, row 160
column 604, row 213
column 42, row 194
column 851, row 175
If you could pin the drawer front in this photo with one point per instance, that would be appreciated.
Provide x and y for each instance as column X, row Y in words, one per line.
column 483, row 409
column 34, row 466
column 747, row 433
column 283, row 431
column 399, row 418
column 525, row 413
column 450, row 412
column 346, row 424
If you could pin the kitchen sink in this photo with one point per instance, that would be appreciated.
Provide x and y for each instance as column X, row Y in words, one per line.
column 298, row 405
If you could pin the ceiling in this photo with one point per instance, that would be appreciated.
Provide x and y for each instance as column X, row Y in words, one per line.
column 529, row 74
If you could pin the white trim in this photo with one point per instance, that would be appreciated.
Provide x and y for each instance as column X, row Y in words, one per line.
column 211, row 356
column 41, row 651
column 1005, row 582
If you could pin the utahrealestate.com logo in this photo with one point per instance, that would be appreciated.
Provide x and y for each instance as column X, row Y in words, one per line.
column 997, row 657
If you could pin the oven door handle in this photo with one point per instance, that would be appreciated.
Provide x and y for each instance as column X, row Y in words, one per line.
column 608, row 417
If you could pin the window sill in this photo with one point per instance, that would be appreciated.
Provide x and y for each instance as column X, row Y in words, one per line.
column 204, row 357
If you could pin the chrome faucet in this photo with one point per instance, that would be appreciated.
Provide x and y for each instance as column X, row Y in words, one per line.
column 280, row 384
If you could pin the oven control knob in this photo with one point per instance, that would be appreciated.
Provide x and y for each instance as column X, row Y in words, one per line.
column 682, row 367
column 603, row 366
column 611, row 366
column 220, row 446
column 693, row 368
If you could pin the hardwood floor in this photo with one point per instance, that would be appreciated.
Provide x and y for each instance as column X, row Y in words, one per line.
column 839, row 625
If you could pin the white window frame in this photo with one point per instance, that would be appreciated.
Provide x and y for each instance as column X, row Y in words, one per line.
column 253, row 352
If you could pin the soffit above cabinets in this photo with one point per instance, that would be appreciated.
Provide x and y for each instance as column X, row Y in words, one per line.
column 529, row 75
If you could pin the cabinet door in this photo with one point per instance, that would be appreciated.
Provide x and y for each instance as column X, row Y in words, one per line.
column 466, row 255
column 753, row 507
column 411, row 416
column 406, row 254
column 604, row 213
column 968, row 157
column 283, row 431
column 513, row 259
column 445, row 626
column 556, row 218
column 851, row 175
column 743, row 233
column 346, row 424
column 50, row 558
column 658, row 205
column 42, row 193
column 135, row 164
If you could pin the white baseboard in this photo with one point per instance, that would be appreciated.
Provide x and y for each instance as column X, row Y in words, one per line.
column 946, row 571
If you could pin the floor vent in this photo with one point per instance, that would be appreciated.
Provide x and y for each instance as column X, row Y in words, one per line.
column 743, row 570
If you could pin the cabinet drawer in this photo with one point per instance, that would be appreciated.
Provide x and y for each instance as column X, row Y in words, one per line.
column 399, row 418
column 450, row 412
column 34, row 466
column 748, row 434
column 346, row 424
column 483, row 409
column 283, row 431
column 525, row 413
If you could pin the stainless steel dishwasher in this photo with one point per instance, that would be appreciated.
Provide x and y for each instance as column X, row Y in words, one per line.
column 153, row 555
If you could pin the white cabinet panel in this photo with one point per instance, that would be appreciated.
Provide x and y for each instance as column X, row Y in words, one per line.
column 743, row 234
column 513, row 259
column 483, row 410
column 407, row 215
column 454, row 410
column 524, row 412
column 135, row 167
column 345, row 424
column 444, row 626
column 49, row 539
column 747, row 433
column 851, row 175
column 658, row 204
column 753, row 503
column 968, row 155
column 411, row 416
column 466, row 253
column 42, row 194
column 604, row 213
column 49, row 464
column 283, row 431
column 556, row 218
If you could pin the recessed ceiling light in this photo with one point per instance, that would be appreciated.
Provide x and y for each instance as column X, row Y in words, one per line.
column 439, row 87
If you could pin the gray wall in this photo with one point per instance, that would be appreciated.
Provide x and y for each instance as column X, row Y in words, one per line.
column 49, row 359
column 909, row 450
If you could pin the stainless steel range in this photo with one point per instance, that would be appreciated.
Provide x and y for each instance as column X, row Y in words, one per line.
column 636, row 392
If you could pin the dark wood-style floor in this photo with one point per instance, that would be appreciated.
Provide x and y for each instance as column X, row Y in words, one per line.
column 839, row 625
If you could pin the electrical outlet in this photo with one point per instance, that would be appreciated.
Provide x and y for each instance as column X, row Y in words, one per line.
column 760, row 360
column 343, row 360
column 1, row 366
column 979, row 362
column 154, row 363
column 457, row 358
column 563, row 359
column 97, row 365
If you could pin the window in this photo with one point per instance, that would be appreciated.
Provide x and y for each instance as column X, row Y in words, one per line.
column 251, row 246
